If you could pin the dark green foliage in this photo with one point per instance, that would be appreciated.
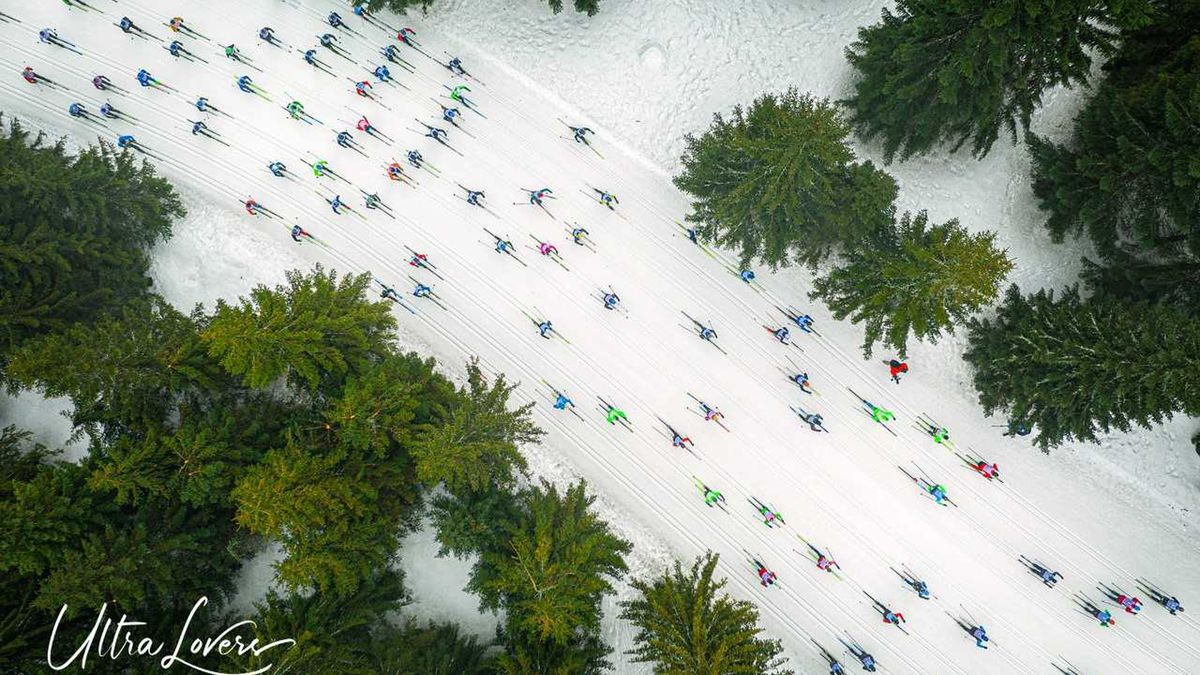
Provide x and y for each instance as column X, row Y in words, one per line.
column 913, row 278
column 74, row 233
column 435, row 649
column 589, row 7
column 123, row 373
column 469, row 521
column 687, row 626
column 477, row 445
column 962, row 70
column 778, row 182
column 582, row 653
column 1125, row 275
column 556, row 565
column 318, row 326
column 1128, row 178
column 1071, row 369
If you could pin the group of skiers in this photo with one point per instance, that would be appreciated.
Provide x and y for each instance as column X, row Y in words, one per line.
column 452, row 115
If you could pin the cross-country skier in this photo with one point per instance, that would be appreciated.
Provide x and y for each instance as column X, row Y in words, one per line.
column 503, row 245
column 803, row 321
column 578, row 235
column 1039, row 570
column 814, row 421
column 782, row 334
column 561, row 401
column 917, row 585
column 396, row 172
column 299, row 233
column 30, row 76
column 988, row 470
column 335, row 20
column 612, row 414
column 177, row 50
column 802, row 381
column 939, row 434
column 50, row 36
column 101, row 82
column 546, row 248
column 201, row 129
column 938, row 492
column 390, row 293
column 867, row 661
column 1159, row 596
column 364, row 125
column 456, row 94
column 392, row 53
column 372, row 201
column 607, row 198
column 450, row 115
column 267, row 34
column 246, row 84
column 310, row 57
column 544, row 329
column 835, row 667
column 710, row 412
column 765, row 576
column 422, row 291
column 1102, row 615
column 889, row 616
column 768, row 514
column 1132, row 605
column 580, row 134
column 897, row 368
column 345, row 140
column 107, row 110
column 128, row 27
column 204, row 106
column 336, row 204
column 746, row 275
column 145, row 79
column 320, row 168
column 77, row 110
column 176, row 24
column 824, row 562
column 611, row 300
column 536, row 196
column 981, row 636
column 127, row 141
column 711, row 497
column 473, row 196
column 254, row 208
column 878, row 414
column 382, row 73
column 233, row 53
column 415, row 158
column 1016, row 428
column 405, row 36
column 363, row 88
column 277, row 169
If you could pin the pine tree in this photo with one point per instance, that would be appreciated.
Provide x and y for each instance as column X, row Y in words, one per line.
column 477, row 446
column 1127, row 177
column 433, row 649
column 124, row 372
column 778, row 182
column 1072, row 369
column 589, row 7
column 1126, row 275
column 317, row 327
column 74, row 233
column 961, row 70
column 583, row 653
column 687, row 626
column 556, row 565
column 398, row 6
column 915, row 279
column 470, row 521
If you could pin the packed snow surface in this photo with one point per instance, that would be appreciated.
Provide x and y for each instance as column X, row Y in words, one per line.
column 642, row 75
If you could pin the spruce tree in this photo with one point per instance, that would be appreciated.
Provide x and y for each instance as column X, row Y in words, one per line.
column 1071, row 369
column 555, row 566
column 913, row 278
column 75, row 232
column 432, row 649
column 1127, row 275
column 688, row 626
column 319, row 325
column 1127, row 176
column 778, row 182
column 477, row 446
column 961, row 71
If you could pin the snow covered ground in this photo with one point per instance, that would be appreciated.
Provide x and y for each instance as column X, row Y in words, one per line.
column 643, row 74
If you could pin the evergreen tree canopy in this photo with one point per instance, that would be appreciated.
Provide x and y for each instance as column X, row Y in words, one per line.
column 778, row 182
column 687, row 626
column 1072, row 369
column 318, row 325
column 916, row 279
column 1129, row 176
column 478, row 444
column 124, row 372
column 74, row 233
column 589, row 7
column 554, row 568
column 962, row 70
